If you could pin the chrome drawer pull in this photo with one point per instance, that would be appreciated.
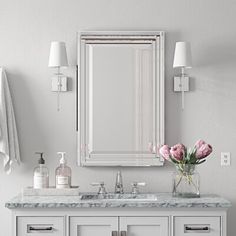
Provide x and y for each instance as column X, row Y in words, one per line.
column 191, row 228
column 123, row 233
column 114, row 233
column 200, row 228
column 39, row 228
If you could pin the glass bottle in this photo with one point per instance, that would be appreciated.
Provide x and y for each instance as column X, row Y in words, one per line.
column 41, row 173
column 63, row 173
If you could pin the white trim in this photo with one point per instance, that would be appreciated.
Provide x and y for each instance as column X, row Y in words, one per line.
column 127, row 211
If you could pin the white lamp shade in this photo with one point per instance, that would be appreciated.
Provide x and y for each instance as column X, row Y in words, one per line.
column 58, row 55
column 183, row 56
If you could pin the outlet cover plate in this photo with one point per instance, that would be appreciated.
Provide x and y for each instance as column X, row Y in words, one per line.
column 225, row 158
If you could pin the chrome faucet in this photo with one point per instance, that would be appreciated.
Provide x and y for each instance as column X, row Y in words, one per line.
column 101, row 189
column 119, row 183
column 135, row 189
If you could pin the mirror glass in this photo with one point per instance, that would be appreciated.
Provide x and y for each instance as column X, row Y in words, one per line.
column 120, row 99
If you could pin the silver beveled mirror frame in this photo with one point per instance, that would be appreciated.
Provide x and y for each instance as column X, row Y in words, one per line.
column 85, row 158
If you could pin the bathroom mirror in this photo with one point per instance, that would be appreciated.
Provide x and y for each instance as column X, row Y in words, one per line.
column 120, row 115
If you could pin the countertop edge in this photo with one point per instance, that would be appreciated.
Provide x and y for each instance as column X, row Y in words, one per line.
column 164, row 201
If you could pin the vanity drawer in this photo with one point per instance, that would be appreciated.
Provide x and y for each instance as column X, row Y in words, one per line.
column 197, row 226
column 40, row 225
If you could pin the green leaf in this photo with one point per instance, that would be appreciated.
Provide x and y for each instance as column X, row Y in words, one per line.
column 173, row 160
column 200, row 162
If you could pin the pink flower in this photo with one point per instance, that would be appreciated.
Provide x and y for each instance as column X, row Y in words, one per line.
column 165, row 152
column 178, row 151
column 199, row 143
column 203, row 151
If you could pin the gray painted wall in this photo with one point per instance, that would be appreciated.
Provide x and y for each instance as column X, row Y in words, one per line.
column 26, row 29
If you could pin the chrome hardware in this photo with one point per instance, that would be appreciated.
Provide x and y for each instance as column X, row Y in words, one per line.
column 123, row 233
column 197, row 228
column 114, row 233
column 135, row 189
column 39, row 228
column 101, row 189
column 119, row 183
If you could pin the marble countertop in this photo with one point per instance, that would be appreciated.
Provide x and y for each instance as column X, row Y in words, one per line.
column 162, row 200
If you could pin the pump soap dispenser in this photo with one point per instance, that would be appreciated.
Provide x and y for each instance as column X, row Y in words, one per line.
column 63, row 173
column 41, row 173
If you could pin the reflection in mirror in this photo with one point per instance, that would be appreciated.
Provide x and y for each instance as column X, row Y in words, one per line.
column 121, row 105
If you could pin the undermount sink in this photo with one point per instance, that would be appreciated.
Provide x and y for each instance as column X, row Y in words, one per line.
column 119, row 197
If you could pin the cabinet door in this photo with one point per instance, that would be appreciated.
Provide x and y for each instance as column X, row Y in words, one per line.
column 93, row 226
column 144, row 226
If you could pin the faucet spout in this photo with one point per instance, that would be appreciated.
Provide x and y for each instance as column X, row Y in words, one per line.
column 119, row 183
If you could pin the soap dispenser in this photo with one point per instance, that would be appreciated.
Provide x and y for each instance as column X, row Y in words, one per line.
column 41, row 173
column 63, row 173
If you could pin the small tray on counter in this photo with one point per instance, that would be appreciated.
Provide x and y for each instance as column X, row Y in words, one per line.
column 51, row 191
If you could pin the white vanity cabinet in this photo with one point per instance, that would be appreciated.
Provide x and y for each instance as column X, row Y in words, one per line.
column 120, row 222
column 162, row 216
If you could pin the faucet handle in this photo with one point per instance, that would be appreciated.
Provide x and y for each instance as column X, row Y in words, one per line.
column 98, row 183
column 141, row 183
column 135, row 189
column 101, row 185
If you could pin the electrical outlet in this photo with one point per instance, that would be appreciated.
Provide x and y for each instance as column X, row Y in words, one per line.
column 225, row 159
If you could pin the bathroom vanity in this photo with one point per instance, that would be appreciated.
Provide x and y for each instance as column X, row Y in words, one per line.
column 119, row 215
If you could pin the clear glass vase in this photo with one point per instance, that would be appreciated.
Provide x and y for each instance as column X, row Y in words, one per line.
column 186, row 181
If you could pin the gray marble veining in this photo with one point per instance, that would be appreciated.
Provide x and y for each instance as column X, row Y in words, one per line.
column 162, row 200
column 119, row 197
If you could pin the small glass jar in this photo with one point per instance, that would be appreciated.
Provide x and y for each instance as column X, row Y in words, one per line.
column 186, row 181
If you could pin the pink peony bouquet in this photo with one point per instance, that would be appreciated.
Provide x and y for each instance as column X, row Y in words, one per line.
column 179, row 154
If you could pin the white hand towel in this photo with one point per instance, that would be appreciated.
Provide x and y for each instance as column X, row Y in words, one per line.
column 9, row 146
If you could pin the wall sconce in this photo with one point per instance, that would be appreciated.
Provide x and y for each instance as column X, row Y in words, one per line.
column 183, row 60
column 58, row 59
